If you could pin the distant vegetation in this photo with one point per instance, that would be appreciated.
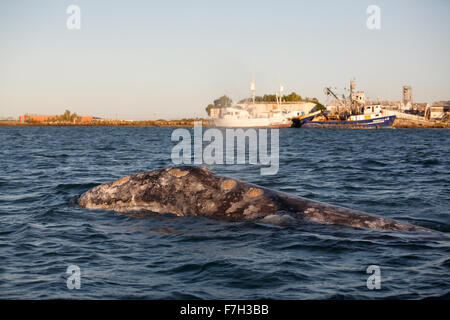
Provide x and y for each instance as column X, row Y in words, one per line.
column 292, row 97
column 319, row 107
column 115, row 123
column 222, row 102
column 66, row 116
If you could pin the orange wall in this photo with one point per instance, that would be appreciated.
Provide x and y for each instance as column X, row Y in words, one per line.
column 27, row 117
column 86, row 118
column 37, row 118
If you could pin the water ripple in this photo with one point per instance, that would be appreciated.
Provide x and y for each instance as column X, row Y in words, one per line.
column 401, row 174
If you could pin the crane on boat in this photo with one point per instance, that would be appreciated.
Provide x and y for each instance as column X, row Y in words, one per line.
column 329, row 92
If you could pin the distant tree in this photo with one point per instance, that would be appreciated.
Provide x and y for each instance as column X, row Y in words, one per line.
column 73, row 116
column 319, row 107
column 269, row 98
column 66, row 116
column 311, row 100
column 293, row 97
column 223, row 102
column 208, row 109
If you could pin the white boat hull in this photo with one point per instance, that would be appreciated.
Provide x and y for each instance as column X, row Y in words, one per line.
column 252, row 123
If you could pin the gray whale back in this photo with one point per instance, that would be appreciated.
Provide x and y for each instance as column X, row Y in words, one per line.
column 196, row 191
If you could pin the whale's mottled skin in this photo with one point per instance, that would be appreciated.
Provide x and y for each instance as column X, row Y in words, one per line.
column 196, row 191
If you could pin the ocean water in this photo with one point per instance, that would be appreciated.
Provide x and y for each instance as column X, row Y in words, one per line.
column 401, row 174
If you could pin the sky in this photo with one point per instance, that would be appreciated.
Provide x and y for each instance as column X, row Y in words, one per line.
column 169, row 59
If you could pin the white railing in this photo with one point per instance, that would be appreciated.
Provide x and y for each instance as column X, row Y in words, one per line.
column 402, row 115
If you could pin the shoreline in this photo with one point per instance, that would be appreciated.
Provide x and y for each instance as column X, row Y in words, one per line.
column 426, row 124
column 118, row 123
column 398, row 124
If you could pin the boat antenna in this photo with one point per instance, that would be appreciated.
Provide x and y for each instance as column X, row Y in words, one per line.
column 252, row 88
column 281, row 89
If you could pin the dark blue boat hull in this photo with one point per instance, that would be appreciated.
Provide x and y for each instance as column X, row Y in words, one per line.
column 382, row 122
column 297, row 123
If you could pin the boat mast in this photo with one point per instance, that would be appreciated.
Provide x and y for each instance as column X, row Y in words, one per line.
column 252, row 88
column 328, row 92
column 354, row 97
column 352, row 86
column 281, row 89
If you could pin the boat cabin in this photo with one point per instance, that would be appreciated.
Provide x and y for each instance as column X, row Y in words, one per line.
column 368, row 112
column 373, row 109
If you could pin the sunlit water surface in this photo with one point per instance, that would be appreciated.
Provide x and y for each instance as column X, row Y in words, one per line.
column 401, row 174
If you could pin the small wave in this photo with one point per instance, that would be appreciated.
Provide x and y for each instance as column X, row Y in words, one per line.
column 279, row 220
column 62, row 155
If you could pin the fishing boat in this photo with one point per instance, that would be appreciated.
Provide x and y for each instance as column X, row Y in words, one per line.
column 234, row 117
column 353, row 122
column 350, row 113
